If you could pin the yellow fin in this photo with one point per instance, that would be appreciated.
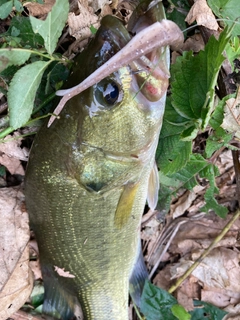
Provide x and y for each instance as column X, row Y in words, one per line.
column 125, row 204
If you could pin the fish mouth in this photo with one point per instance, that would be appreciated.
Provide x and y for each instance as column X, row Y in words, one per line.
column 151, row 71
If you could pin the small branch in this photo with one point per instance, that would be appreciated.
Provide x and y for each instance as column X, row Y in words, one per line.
column 200, row 259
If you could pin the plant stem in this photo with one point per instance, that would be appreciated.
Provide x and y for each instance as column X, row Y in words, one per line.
column 206, row 252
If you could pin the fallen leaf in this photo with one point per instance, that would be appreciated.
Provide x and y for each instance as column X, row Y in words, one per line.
column 194, row 43
column 16, row 279
column 79, row 25
column 201, row 12
column 11, row 154
column 38, row 9
column 183, row 202
column 231, row 121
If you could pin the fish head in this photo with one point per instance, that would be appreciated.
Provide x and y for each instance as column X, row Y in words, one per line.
column 121, row 114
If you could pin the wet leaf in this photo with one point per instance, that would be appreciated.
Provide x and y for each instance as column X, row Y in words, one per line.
column 13, row 56
column 51, row 28
column 24, row 86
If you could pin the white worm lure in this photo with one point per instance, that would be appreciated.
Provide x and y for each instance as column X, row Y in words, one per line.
column 159, row 34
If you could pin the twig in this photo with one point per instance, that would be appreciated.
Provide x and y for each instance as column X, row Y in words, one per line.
column 212, row 245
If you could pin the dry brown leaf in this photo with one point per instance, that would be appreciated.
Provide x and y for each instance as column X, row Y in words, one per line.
column 201, row 12
column 98, row 4
column 11, row 153
column 194, row 43
column 15, row 277
column 231, row 121
column 79, row 25
column 38, row 9
column 184, row 202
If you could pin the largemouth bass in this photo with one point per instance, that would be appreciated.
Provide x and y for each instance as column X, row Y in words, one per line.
column 89, row 176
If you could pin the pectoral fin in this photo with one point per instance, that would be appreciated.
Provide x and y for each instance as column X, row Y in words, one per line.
column 153, row 188
column 125, row 204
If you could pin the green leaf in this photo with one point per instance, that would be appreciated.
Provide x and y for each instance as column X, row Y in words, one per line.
column 180, row 312
column 187, row 174
column 51, row 28
column 172, row 153
column 206, row 311
column 194, row 80
column 227, row 9
column 156, row 303
column 210, row 172
column 26, row 35
column 22, row 91
column 5, row 9
column 18, row 6
column 13, row 56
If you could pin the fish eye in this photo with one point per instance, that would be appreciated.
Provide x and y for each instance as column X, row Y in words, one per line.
column 111, row 93
column 107, row 93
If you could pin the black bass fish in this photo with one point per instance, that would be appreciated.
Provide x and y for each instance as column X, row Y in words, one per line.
column 89, row 176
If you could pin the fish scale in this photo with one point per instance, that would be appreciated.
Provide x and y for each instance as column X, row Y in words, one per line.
column 87, row 183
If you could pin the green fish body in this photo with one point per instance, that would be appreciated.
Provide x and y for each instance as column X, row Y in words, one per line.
column 87, row 182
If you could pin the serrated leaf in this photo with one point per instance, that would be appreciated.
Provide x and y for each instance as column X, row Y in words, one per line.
column 217, row 140
column 207, row 311
column 187, row 174
column 22, row 91
column 227, row 9
column 194, row 82
column 210, row 172
column 13, row 56
column 5, row 9
column 26, row 35
column 172, row 153
column 156, row 303
column 51, row 28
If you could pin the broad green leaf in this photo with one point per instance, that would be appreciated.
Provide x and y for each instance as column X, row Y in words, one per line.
column 180, row 312
column 210, row 172
column 51, row 28
column 187, row 174
column 172, row 153
column 156, row 303
column 5, row 9
column 13, row 56
column 26, row 35
column 206, row 311
column 194, row 80
column 227, row 9
column 217, row 140
column 22, row 91
column 18, row 6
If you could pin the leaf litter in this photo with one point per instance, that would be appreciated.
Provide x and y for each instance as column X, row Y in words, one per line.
column 216, row 280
